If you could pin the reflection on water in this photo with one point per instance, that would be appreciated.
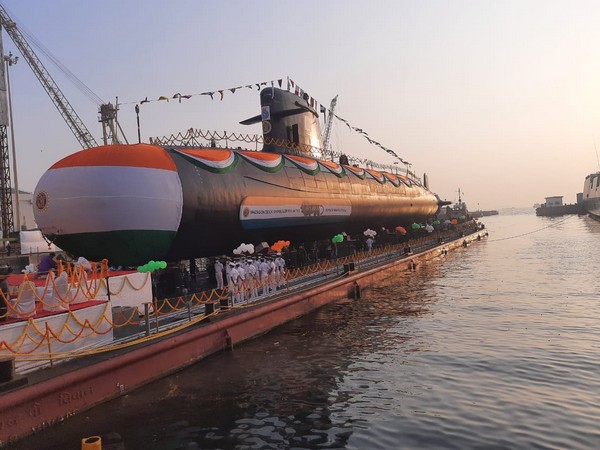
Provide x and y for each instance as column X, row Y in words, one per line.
column 494, row 346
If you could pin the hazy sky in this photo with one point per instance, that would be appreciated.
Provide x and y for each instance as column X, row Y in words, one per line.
column 498, row 98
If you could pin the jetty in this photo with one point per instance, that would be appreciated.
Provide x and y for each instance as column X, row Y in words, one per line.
column 55, row 377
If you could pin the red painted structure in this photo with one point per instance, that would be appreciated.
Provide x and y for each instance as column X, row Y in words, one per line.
column 64, row 393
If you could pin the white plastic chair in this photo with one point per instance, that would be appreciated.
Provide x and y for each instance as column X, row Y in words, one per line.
column 23, row 306
column 60, row 295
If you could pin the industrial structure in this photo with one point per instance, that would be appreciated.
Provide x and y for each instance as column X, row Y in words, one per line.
column 108, row 118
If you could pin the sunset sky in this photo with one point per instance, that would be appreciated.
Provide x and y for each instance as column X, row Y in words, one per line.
column 498, row 98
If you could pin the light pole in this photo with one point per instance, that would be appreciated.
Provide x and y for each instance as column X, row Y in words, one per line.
column 11, row 60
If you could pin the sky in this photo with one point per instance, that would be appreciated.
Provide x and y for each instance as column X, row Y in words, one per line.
column 500, row 99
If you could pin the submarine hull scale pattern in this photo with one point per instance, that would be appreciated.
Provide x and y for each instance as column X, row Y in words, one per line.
column 135, row 203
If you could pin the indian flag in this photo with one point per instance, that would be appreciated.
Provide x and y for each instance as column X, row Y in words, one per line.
column 123, row 200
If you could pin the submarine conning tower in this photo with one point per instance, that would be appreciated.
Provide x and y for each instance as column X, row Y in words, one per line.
column 290, row 125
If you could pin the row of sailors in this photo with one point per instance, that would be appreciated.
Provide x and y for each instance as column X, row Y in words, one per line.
column 247, row 276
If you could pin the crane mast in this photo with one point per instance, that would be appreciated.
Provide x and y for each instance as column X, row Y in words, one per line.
column 329, row 125
column 86, row 140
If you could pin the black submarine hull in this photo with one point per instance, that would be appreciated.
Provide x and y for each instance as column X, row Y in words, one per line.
column 153, row 203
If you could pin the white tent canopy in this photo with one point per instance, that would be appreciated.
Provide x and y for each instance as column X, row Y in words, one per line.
column 32, row 241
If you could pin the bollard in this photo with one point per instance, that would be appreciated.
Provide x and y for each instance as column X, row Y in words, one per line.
column 91, row 443
column 349, row 267
column 147, row 317
column 209, row 308
column 7, row 369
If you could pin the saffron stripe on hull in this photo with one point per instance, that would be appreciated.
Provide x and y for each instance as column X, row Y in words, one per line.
column 134, row 155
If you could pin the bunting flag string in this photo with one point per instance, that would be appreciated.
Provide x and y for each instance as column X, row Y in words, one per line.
column 314, row 103
column 221, row 92
column 292, row 86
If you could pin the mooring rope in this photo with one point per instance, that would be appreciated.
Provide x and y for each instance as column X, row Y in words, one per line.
column 530, row 232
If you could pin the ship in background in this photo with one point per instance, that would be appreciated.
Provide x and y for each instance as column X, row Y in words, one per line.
column 135, row 203
column 591, row 195
column 480, row 213
column 553, row 207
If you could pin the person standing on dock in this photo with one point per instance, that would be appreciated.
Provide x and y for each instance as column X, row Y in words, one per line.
column 302, row 256
column 241, row 282
column 219, row 273
column 256, row 264
column 272, row 276
column 280, row 270
column 251, row 280
column 264, row 276
column 232, row 277
column 370, row 244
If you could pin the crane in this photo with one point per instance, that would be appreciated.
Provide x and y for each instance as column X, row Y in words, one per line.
column 329, row 124
column 108, row 117
column 85, row 138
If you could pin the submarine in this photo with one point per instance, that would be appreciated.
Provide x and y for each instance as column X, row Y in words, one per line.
column 134, row 203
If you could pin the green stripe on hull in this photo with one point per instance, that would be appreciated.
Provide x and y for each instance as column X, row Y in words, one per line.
column 126, row 248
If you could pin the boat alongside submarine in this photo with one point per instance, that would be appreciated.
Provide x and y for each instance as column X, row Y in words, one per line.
column 135, row 203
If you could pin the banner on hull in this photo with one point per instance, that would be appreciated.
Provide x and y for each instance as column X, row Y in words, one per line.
column 271, row 212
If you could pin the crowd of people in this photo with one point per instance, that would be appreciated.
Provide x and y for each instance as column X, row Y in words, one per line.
column 249, row 278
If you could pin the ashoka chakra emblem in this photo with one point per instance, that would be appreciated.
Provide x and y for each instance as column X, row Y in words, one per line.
column 266, row 126
column 41, row 200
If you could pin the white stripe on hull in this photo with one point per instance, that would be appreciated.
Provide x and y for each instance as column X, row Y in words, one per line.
column 138, row 198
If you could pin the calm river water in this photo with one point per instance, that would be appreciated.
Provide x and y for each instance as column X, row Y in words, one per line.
column 496, row 346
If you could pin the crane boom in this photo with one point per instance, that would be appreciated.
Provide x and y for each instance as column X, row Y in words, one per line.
column 86, row 140
column 329, row 124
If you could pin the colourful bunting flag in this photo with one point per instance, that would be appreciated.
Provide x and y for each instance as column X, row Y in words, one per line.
column 297, row 91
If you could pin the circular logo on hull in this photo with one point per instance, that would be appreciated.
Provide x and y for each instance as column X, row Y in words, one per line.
column 266, row 125
column 41, row 200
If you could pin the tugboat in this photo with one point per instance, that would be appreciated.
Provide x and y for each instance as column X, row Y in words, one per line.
column 458, row 211
column 135, row 203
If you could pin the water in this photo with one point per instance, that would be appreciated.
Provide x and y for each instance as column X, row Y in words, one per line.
column 495, row 346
